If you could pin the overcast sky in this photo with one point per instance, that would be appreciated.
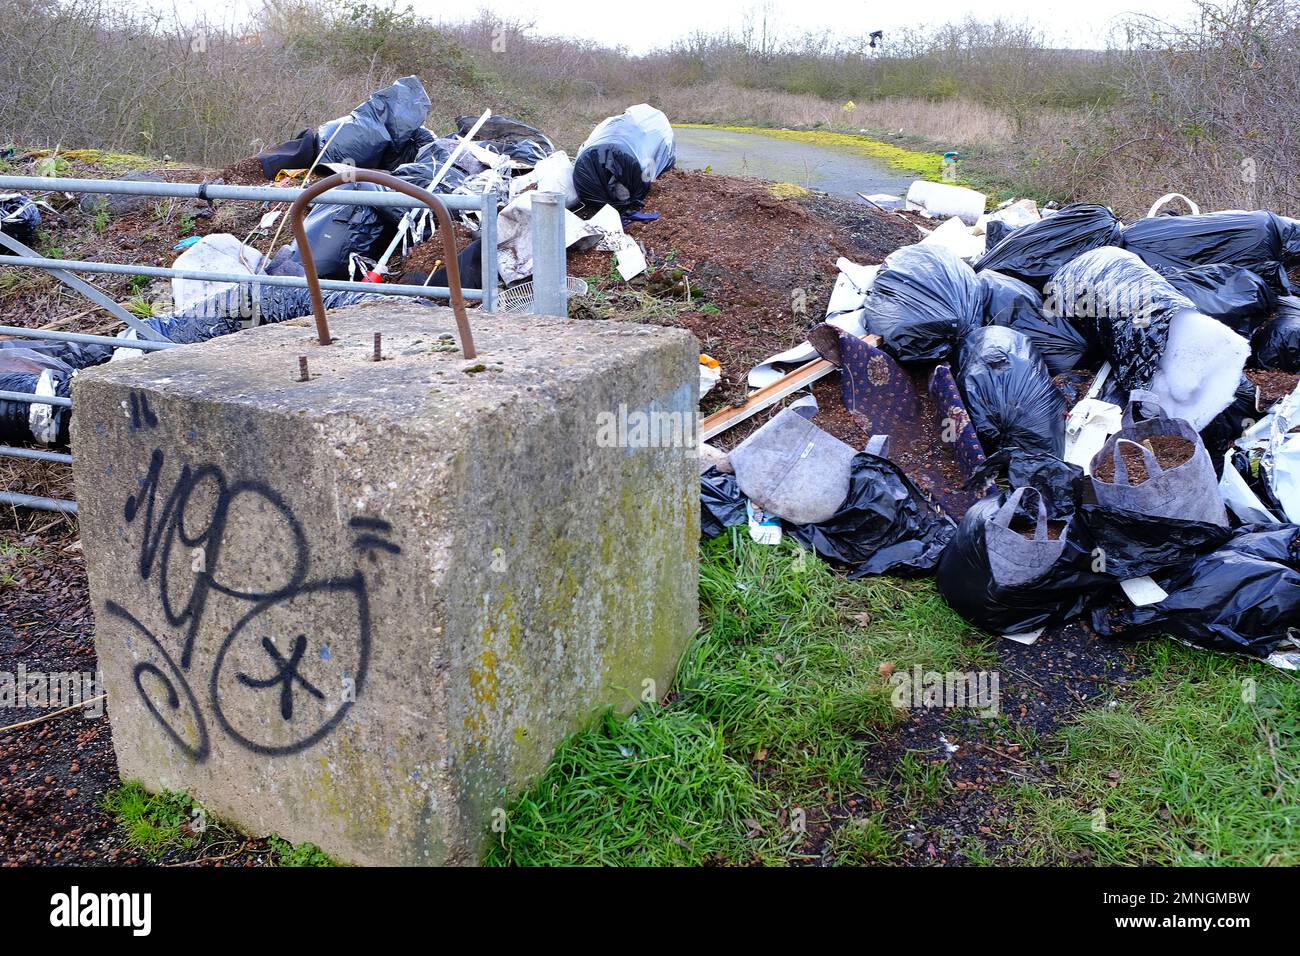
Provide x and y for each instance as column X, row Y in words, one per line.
column 642, row 25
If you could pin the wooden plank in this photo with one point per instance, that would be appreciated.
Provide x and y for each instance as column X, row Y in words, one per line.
column 765, row 397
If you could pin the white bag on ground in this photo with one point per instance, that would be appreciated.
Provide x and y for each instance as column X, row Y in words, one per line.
column 943, row 200
column 217, row 252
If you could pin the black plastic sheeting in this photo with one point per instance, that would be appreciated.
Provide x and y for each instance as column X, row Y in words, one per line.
column 1033, row 253
column 1126, row 306
column 377, row 133
column 297, row 153
column 622, row 157
column 1234, row 295
column 19, row 217
column 1244, row 596
column 884, row 526
column 72, row 354
column 1276, row 343
column 923, row 301
column 1227, row 426
column 1056, row 580
column 1133, row 544
column 1018, row 305
column 1259, row 241
column 722, row 504
column 519, row 141
column 219, row 314
column 335, row 232
column 15, row 425
column 1009, row 393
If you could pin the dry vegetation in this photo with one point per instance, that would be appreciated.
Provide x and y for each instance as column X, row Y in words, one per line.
column 1209, row 108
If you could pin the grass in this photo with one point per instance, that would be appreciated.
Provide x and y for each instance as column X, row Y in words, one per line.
column 774, row 706
column 780, row 695
column 1200, row 765
column 169, row 822
column 154, row 824
column 13, row 557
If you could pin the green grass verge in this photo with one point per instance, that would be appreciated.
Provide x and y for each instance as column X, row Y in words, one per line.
column 1199, row 764
column 774, row 706
column 926, row 165
column 158, row 824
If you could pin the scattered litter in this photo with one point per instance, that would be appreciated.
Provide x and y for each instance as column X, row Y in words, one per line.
column 215, row 252
column 763, row 527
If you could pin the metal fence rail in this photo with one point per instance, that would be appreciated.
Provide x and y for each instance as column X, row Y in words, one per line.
column 548, row 233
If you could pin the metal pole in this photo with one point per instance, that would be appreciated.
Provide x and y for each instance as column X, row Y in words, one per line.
column 35, row 399
column 550, row 293
column 487, row 235
column 86, row 289
column 237, row 278
column 9, row 451
column 118, row 187
column 35, row 501
column 143, row 344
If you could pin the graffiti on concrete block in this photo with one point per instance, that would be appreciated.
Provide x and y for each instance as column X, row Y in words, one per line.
column 231, row 554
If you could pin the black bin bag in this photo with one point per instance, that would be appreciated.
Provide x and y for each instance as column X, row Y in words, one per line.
column 885, row 525
column 1009, row 393
column 335, row 233
column 1034, row 252
column 19, row 218
column 1017, row 305
column 1276, row 343
column 1234, row 295
column 1010, row 568
column 622, row 157
column 722, row 503
column 376, row 134
column 1259, row 241
column 1243, row 596
column 924, row 300
column 1124, row 304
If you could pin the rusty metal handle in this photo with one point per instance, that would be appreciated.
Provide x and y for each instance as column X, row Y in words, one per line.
column 391, row 182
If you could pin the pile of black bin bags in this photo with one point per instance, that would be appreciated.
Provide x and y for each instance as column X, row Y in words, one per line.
column 1050, row 544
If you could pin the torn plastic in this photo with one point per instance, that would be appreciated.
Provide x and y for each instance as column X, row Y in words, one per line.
column 1259, row 241
column 923, row 301
column 885, row 525
column 1242, row 597
column 1012, row 567
column 1234, row 295
column 526, row 145
column 622, row 157
column 1273, row 444
column 721, row 503
column 1009, row 393
column 1035, row 252
column 19, row 217
column 1277, row 342
column 375, row 134
column 34, row 422
column 50, row 353
column 1017, row 305
column 792, row 469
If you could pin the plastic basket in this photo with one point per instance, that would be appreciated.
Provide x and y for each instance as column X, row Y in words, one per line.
column 519, row 298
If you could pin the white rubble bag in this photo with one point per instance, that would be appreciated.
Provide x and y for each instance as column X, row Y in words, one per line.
column 1200, row 368
column 217, row 252
column 943, row 200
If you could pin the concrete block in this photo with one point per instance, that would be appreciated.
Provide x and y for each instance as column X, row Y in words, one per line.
column 362, row 610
